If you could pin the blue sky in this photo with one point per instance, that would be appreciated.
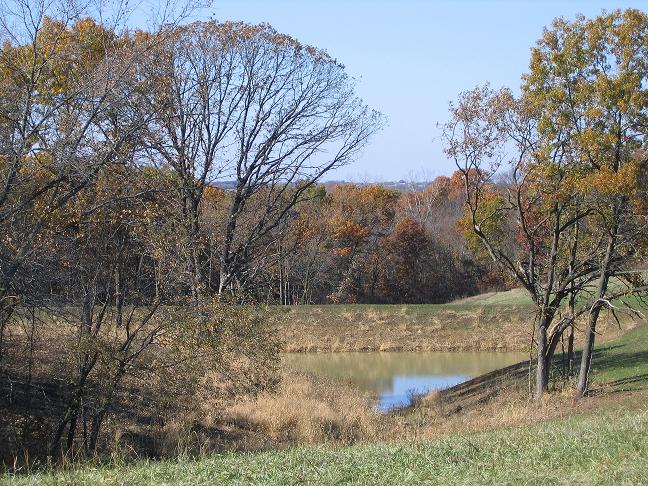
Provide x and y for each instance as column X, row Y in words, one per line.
column 410, row 58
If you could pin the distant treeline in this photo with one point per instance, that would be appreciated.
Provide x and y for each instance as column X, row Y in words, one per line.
column 351, row 244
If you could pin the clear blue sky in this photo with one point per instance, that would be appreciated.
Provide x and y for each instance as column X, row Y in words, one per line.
column 412, row 57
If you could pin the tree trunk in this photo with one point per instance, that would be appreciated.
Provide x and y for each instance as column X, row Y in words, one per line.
column 588, row 349
column 224, row 277
column 119, row 295
column 7, row 306
column 570, row 351
column 542, row 368
column 192, row 225
column 226, row 270
column 590, row 332
column 281, row 277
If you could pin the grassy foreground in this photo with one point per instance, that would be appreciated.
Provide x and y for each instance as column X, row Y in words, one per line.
column 592, row 449
column 603, row 440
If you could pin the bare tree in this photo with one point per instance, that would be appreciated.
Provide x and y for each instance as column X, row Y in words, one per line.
column 247, row 104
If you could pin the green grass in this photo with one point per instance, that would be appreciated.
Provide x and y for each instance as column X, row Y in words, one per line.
column 609, row 448
column 623, row 363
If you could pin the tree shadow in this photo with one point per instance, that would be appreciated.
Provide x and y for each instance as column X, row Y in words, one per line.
column 610, row 358
column 622, row 363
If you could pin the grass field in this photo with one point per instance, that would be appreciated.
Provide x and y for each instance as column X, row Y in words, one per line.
column 600, row 440
column 601, row 448
column 496, row 321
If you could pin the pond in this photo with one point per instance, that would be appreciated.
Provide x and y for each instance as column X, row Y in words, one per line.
column 395, row 377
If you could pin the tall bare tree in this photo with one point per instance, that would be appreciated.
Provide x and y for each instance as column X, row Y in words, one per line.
column 249, row 105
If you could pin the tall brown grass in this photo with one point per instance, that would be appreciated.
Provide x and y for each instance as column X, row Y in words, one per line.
column 305, row 409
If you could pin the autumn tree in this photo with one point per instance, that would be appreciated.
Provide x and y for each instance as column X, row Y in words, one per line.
column 567, row 141
column 438, row 208
column 359, row 217
column 368, row 243
column 69, row 108
column 82, row 272
column 248, row 104
column 412, row 268
column 589, row 79
column 483, row 125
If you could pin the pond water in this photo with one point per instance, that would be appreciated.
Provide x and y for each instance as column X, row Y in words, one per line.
column 393, row 378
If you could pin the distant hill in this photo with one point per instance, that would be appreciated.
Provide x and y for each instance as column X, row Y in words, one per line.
column 402, row 185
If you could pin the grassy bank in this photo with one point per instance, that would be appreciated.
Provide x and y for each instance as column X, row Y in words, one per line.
column 590, row 449
column 488, row 322
column 498, row 321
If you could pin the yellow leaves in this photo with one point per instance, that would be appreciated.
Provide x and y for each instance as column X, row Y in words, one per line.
column 590, row 74
column 59, row 56
column 594, row 112
column 349, row 230
column 607, row 182
column 304, row 228
column 230, row 34
column 213, row 194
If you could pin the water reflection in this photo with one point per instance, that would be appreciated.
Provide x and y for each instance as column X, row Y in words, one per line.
column 395, row 377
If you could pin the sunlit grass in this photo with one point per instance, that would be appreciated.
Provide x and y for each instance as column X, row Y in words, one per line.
column 592, row 449
column 623, row 363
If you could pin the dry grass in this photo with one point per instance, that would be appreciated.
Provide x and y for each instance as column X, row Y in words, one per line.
column 306, row 410
column 394, row 329
column 155, row 409
column 471, row 326
column 311, row 411
column 434, row 417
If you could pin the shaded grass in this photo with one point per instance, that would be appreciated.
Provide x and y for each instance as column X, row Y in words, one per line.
column 623, row 363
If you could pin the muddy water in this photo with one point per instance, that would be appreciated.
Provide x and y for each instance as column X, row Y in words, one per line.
column 393, row 378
